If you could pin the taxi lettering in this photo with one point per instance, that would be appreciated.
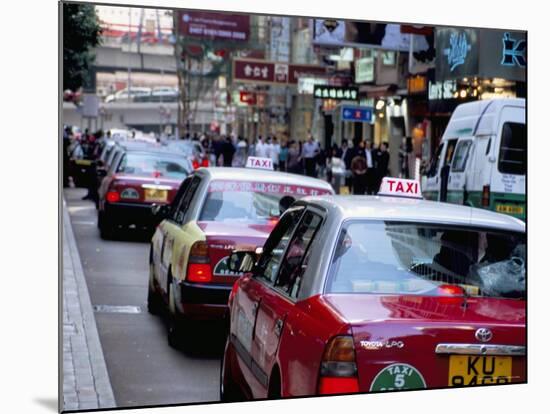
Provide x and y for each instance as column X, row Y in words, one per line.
column 412, row 187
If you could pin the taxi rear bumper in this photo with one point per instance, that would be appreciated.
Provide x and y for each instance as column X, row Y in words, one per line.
column 126, row 214
column 201, row 301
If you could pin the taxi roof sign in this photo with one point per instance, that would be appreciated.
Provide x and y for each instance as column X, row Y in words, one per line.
column 400, row 187
column 259, row 163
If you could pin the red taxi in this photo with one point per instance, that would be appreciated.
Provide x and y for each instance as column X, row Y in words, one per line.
column 137, row 179
column 374, row 293
column 215, row 211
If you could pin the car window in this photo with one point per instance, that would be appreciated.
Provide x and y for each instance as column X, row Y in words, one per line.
column 449, row 152
column 186, row 199
column 461, row 156
column 294, row 263
column 153, row 164
column 513, row 149
column 270, row 260
column 435, row 162
column 177, row 199
column 384, row 257
column 252, row 202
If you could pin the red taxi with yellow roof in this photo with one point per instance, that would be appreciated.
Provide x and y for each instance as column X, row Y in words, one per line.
column 215, row 211
column 378, row 293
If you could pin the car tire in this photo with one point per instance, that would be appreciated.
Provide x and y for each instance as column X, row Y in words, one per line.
column 154, row 303
column 106, row 226
column 229, row 391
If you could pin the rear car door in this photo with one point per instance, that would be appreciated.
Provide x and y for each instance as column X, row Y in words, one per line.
column 252, row 290
column 508, row 178
column 278, row 299
column 171, row 229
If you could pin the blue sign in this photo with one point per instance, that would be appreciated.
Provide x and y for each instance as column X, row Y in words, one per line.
column 357, row 113
column 457, row 51
column 513, row 51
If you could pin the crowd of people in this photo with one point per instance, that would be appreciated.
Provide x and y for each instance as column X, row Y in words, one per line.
column 360, row 167
column 364, row 166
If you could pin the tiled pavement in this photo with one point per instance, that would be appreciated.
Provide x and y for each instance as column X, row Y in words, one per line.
column 86, row 383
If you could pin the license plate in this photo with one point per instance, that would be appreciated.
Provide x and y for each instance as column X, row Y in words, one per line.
column 153, row 194
column 467, row 370
column 509, row 209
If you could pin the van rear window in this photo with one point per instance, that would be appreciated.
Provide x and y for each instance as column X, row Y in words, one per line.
column 513, row 149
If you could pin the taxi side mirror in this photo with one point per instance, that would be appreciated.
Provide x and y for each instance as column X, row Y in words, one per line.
column 160, row 211
column 241, row 261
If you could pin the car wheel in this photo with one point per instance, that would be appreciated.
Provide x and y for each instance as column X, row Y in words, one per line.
column 154, row 303
column 229, row 391
column 106, row 227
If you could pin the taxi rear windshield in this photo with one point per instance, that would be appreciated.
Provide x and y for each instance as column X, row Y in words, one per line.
column 229, row 201
column 381, row 257
column 157, row 165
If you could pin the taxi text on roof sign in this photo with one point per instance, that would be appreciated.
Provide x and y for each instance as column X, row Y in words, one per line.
column 259, row 163
column 400, row 187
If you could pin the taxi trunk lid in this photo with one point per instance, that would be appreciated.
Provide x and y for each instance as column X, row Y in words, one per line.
column 222, row 238
column 396, row 338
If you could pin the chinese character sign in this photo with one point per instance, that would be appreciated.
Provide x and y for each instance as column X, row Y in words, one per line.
column 349, row 93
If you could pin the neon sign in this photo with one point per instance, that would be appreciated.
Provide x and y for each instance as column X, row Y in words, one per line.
column 458, row 50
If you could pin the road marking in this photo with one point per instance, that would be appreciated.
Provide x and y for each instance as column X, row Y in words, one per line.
column 117, row 309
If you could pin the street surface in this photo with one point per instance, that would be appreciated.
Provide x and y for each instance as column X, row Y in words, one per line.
column 142, row 368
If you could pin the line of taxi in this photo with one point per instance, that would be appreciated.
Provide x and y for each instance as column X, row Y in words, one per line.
column 323, row 294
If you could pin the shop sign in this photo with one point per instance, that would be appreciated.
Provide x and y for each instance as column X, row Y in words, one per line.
column 223, row 26
column 441, row 90
column 306, row 85
column 260, row 71
column 504, row 55
column 340, row 93
column 364, row 70
column 459, row 53
column 357, row 113
column 417, row 84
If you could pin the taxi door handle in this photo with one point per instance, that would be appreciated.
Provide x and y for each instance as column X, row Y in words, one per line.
column 255, row 307
column 278, row 327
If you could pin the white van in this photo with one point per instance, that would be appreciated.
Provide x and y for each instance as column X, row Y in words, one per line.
column 481, row 160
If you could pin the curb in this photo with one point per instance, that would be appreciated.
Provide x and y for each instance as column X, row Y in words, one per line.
column 86, row 383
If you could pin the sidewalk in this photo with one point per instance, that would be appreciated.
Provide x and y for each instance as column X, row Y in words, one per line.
column 86, row 383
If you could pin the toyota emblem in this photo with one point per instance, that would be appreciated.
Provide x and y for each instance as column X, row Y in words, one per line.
column 484, row 335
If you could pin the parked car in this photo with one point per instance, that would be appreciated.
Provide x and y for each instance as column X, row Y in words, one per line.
column 377, row 293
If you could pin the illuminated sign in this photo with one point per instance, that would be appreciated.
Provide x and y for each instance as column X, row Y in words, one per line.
column 340, row 93
column 441, row 90
column 513, row 51
column 416, row 84
column 357, row 113
column 457, row 51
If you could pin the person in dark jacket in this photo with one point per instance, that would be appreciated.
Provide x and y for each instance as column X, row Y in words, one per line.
column 382, row 161
column 227, row 150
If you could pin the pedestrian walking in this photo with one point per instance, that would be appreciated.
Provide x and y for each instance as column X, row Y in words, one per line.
column 275, row 151
column 371, row 172
column 382, row 163
column 227, row 150
column 294, row 158
column 283, row 156
column 261, row 148
column 347, row 155
column 310, row 150
column 359, row 169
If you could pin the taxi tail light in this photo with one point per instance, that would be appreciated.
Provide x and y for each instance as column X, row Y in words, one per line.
column 233, row 292
column 195, row 164
column 338, row 367
column 198, row 267
column 112, row 196
column 485, row 196
column 204, row 162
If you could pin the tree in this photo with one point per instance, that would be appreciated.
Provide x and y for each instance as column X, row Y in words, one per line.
column 81, row 33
